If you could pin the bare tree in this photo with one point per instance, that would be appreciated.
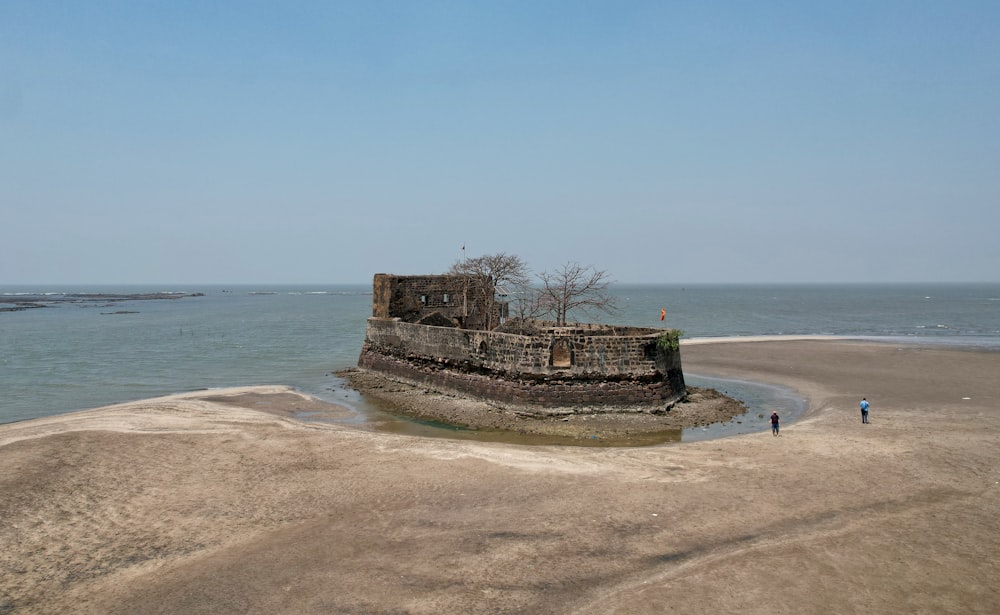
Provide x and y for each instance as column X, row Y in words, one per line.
column 575, row 287
column 526, row 303
column 485, row 275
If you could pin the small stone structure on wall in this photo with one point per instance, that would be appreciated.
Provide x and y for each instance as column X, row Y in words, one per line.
column 417, row 334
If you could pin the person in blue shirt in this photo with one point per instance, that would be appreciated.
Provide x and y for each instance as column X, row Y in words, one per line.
column 864, row 410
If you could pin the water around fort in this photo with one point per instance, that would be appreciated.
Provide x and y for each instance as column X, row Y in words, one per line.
column 77, row 355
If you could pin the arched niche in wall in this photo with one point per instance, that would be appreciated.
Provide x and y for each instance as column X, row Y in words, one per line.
column 561, row 354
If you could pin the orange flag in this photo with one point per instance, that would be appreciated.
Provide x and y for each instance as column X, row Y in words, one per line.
column 663, row 313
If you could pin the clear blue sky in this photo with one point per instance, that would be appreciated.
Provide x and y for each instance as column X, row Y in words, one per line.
column 259, row 142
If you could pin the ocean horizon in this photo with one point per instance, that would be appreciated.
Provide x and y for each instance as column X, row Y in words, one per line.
column 82, row 353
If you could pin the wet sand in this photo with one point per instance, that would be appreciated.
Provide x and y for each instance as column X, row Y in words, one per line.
column 221, row 502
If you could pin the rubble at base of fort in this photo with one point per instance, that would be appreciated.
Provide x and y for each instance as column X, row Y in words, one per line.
column 602, row 425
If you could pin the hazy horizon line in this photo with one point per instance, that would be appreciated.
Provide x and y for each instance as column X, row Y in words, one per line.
column 615, row 283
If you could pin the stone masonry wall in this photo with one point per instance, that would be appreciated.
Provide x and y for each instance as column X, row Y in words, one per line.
column 394, row 295
column 538, row 396
column 567, row 367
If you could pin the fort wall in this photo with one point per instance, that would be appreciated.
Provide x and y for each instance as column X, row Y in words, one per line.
column 554, row 367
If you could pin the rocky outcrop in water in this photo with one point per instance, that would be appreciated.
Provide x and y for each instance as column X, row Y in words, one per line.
column 26, row 301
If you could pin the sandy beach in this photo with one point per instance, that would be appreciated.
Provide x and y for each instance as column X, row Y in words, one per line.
column 222, row 502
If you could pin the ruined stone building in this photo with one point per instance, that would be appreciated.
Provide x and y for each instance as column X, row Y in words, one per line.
column 436, row 300
column 428, row 330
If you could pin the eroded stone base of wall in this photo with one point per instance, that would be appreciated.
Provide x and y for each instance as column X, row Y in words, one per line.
column 543, row 397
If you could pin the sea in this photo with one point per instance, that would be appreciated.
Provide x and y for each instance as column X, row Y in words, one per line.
column 82, row 352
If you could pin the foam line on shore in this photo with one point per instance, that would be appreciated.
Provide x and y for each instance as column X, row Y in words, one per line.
column 690, row 341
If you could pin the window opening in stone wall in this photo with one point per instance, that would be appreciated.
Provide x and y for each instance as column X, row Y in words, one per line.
column 561, row 356
column 423, row 299
column 445, row 298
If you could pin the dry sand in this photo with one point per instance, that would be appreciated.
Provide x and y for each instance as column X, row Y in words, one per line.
column 222, row 503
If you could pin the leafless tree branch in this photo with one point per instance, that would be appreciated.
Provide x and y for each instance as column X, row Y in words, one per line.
column 485, row 274
column 576, row 287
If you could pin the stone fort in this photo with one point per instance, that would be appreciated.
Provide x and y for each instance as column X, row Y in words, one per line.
column 429, row 331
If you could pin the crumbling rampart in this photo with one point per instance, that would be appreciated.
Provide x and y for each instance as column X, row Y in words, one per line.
column 551, row 369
